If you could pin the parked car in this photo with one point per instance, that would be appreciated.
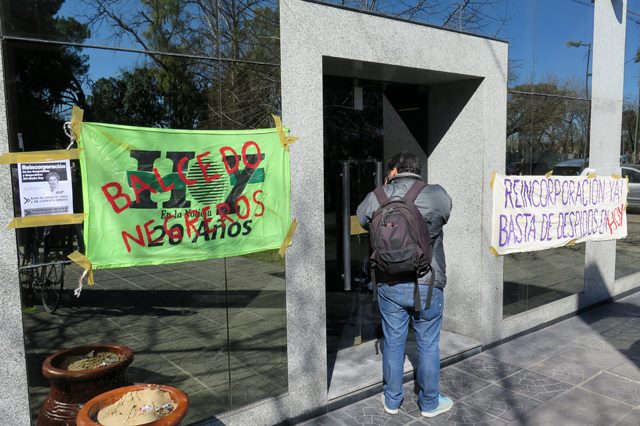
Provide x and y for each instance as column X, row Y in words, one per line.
column 632, row 171
column 524, row 168
column 569, row 167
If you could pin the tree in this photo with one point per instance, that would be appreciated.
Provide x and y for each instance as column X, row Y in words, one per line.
column 45, row 82
column 134, row 98
column 203, row 74
column 542, row 118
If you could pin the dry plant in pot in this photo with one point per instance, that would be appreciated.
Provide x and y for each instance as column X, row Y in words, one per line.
column 142, row 404
column 78, row 374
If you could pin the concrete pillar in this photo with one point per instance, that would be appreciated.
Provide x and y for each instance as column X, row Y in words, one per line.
column 14, row 396
column 606, row 121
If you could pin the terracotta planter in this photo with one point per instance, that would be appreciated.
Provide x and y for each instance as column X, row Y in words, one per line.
column 71, row 389
column 89, row 412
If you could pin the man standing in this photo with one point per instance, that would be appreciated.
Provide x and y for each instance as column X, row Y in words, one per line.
column 396, row 299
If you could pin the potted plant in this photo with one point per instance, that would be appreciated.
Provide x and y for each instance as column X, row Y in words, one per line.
column 165, row 405
column 78, row 374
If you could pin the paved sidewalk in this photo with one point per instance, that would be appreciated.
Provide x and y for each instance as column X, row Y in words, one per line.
column 581, row 371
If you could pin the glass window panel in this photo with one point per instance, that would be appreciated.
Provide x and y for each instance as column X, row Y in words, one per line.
column 249, row 94
column 176, row 318
column 563, row 52
column 485, row 18
column 244, row 29
column 249, row 29
column 543, row 132
column 173, row 317
column 629, row 146
column 257, row 327
column 627, row 253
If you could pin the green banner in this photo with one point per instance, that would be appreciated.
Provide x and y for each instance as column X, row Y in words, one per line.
column 157, row 196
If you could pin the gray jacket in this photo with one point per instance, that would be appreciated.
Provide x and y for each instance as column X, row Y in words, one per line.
column 435, row 205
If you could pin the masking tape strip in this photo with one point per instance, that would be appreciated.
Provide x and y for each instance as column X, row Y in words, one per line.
column 591, row 175
column 77, row 114
column 39, row 156
column 285, row 140
column 616, row 176
column 356, row 228
column 114, row 141
column 82, row 261
column 287, row 240
column 493, row 179
column 548, row 174
column 494, row 251
column 571, row 243
column 58, row 219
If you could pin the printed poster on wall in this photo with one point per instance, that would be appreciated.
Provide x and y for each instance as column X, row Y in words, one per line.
column 538, row 212
column 157, row 196
column 45, row 188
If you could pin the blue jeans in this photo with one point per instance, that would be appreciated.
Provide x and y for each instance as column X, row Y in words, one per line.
column 396, row 308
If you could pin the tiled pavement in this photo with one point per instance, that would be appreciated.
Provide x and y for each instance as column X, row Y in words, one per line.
column 578, row 372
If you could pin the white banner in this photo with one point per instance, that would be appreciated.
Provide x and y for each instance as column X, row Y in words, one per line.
column 537, row 212
column 45, row 188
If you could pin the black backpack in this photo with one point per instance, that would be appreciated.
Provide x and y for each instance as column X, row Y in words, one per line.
column 400, row 242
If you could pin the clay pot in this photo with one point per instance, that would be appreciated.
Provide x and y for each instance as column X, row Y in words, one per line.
column 89, row 413
column 71, row 389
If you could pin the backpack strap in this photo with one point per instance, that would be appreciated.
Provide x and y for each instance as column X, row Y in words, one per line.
column 416, row 294
column 380, row 195
column 410, row 197
column 414, row 191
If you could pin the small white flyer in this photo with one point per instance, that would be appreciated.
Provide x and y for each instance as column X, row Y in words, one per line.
column 45, row 188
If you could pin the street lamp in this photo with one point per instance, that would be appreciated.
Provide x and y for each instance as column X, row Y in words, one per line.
column 586, row 86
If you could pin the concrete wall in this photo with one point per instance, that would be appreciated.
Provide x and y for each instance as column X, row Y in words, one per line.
column 14, row 402
column 398, row 138
column 467, row 126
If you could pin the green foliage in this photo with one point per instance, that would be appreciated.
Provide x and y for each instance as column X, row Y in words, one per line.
column 46, row 81
column 543, row 123
column 134, row 98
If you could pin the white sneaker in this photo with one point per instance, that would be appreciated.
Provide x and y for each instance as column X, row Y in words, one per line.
column 387, row 409
column 444, row 405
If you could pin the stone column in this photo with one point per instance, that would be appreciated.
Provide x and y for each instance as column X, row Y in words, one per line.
column 14, row 396
column 606, row 121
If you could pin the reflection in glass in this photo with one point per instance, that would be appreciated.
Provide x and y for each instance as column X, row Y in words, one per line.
column 627, row 249
column 478, row 17
column 249, row 94
column 562, row 54
column 257, row 327
column 239, row 29
column 537, row 278
column 215, row 329
column 544, row 133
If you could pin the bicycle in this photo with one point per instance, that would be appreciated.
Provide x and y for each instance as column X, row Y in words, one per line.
column 42, row 264
column 46, row 281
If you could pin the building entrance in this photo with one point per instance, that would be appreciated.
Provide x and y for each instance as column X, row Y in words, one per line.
column 353, row 167
column 365, row 122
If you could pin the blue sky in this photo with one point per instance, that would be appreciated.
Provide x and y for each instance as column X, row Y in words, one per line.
column 537, row 32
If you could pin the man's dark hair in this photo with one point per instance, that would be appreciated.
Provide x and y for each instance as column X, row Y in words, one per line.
column 405, row 162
